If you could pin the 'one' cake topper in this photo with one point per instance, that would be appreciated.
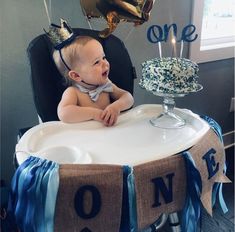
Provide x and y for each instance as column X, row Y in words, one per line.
column 157, row 34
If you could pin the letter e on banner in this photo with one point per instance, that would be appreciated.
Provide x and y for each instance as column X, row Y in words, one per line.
column 212, row 166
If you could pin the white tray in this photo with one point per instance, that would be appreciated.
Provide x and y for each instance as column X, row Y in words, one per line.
column 133, row 140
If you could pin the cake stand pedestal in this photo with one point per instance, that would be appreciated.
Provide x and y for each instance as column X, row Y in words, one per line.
column 168, row 119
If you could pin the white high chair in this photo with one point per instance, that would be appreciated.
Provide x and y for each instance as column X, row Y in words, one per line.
column 48, row 84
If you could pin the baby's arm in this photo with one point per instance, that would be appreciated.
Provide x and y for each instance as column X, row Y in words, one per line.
column 123, row 101
column 68, row 111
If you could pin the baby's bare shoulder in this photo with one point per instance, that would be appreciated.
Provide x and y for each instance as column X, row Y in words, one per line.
column 71, row 90
column 69, row 93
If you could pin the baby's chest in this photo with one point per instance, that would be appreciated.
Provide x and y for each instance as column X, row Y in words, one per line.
column 102, row 102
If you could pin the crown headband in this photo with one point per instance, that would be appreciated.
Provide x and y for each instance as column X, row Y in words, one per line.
column 60, row 36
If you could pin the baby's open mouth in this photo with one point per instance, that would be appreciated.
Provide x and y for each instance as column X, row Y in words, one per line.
column 106, row 73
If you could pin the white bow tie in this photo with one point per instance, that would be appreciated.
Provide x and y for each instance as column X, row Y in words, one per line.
column 95, row 93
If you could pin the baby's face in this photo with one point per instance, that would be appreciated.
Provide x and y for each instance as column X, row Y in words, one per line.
column 92, row 67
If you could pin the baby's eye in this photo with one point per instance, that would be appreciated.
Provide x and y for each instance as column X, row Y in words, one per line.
column 97, row 62
column 104, row 57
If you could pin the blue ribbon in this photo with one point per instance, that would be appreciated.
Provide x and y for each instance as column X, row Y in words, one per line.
column 191, row 210
column 125, row 216
column 14, row 185
column 26, row 179
column 51, row 196
column 33, row 199
column 40, row 198
column 218, row 187
column 221, row 199
column 33, row 196
column 218, row 192
column 214, row 126
column 131, row 199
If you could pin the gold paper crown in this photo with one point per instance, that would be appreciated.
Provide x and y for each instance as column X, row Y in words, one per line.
column 60, row 35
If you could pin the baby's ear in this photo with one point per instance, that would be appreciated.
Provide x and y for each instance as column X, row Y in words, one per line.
column 74, row 76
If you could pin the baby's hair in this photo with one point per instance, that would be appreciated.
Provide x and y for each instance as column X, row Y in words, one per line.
column 70, row 55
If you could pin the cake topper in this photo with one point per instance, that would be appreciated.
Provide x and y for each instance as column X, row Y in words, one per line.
column 158, row 34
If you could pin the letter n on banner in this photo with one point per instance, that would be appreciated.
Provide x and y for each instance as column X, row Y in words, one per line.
column 84, row 202
column 160, row 188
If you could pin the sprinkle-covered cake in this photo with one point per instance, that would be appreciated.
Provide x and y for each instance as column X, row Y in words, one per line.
column 170, row 75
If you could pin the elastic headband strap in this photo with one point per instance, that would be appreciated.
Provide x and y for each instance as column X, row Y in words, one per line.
column 61, row 57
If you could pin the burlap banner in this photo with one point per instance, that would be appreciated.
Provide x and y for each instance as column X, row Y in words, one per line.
column 161, row 185
column 89, row 198
column 104, row 198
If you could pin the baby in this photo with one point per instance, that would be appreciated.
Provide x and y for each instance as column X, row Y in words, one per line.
column 91, row 96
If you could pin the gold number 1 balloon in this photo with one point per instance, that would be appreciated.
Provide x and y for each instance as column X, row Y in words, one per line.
column 114, row 11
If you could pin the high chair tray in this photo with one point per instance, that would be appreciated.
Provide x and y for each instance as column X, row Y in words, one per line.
column 133, row 140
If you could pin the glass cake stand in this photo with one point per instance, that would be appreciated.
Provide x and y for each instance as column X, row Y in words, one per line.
column 168, row 119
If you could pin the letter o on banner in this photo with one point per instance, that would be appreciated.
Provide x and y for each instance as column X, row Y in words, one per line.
column 79, row 201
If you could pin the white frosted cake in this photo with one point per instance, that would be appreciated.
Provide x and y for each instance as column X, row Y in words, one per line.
column 170, row 75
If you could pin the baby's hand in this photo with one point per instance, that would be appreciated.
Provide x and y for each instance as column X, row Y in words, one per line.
column 97, row 115
column 110, row 115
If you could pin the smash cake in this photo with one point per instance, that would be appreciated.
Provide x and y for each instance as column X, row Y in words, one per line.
column 170, row 75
